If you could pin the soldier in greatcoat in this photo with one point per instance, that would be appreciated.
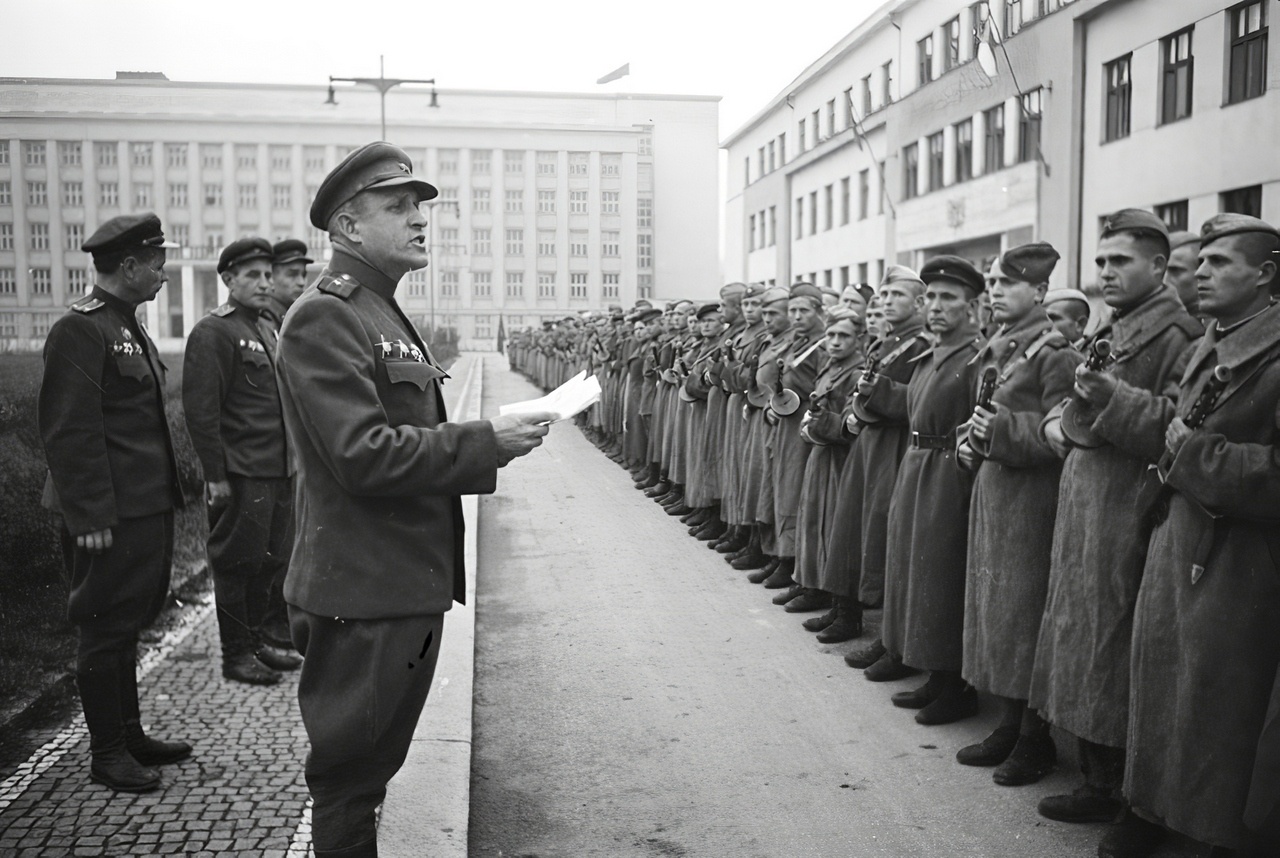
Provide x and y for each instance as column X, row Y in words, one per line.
column 1015, row 498
column 767, row 382
column 1080, row 681
column 721, row 443
column 1206, row 629
column 929, row 512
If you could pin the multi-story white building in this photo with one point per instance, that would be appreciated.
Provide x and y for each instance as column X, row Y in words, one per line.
column 549, row 202
column 941, row 126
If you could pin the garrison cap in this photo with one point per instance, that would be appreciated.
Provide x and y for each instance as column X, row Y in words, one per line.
column 244, row 250
column 1182, row 238
column 288, row 251
column 1055, row 295
column 1030, row 263
column 774, row 294
column 1129, row 219
column 707, row 309
column 649, row 315
column 806, row 290
column 899, row 274
column 956, row 269
column 733, row 290
column 125, row 231
column 374, row 165
column 1229, row 223
column 753, row 290
column 841, row 313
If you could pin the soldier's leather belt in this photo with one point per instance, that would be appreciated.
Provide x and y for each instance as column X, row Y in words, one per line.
column 933, row 442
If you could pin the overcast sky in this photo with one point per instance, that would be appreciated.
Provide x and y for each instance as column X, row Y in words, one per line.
column 745, row 52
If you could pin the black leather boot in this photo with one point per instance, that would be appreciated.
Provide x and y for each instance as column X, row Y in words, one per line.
column 111, row 764
column 847, row 625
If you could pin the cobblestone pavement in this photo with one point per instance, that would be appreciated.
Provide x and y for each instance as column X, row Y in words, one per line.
column 241, row 793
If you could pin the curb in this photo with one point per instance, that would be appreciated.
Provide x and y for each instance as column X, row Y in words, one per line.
column 428, row 803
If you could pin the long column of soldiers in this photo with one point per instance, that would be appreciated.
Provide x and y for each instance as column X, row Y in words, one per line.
column 1084, row 530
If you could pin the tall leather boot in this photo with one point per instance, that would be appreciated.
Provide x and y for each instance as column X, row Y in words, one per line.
column 98, row 679
column 239, row 663
column 143, row 748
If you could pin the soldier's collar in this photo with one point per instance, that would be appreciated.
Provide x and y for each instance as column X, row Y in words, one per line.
column 120, row 305
column 362, row 272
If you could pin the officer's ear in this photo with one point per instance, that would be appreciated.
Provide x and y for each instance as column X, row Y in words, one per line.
column 227, row 275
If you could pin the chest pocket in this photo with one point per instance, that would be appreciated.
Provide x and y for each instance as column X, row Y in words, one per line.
column 134, row 367
column 412, row 372
column 254, row 360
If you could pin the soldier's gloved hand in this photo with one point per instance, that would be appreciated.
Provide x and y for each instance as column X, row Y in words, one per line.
column 218, row 493
column 96, row 542
column 518, row 434
column 1095, row 388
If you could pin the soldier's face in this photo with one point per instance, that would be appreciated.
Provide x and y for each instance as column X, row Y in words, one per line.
column 946, row 306
column 804, row 316
column 1180, row 274
column 1011, row 299
column 653, row 328
column 393, row 230
column 288, row 281
column 751, row 310
column 711, row 325
column 842, row 339
column 900, row 302
column 146, row 275
column 1228, row 284
column 852, row 299
column 250, row 283
column 732, row 311
column 1127, row 270
column 876, row 325
column 1067, row 319
column 776, row 320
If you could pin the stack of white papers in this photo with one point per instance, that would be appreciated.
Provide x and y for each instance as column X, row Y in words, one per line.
column 569, row 399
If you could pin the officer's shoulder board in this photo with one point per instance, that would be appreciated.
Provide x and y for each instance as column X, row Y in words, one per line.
column 341, row 285
column 88, row 304
column 225, row 310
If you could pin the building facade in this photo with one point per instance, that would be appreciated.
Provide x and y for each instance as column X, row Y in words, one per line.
column 940, row 126
column 549, row 203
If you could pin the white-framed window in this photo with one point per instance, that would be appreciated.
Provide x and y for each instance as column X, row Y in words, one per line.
column 644, row 285
column 77, row 281
column 313, row 157
column 37, row 193
column 514, row 201
column 69, row 153
column 177, row 194
column 142, row 196
column 175, row 155
column 546, row 284
column 608, row 286
column 578, row 285
column 6, row 236
column 611, row 164
column 281, row 157
column 481, row 240
column 481, row 284
column 105, row 154
column 211, row 156
column 479, row 200
column 108, row 193
column 515, row 284
column 8, row 324
column 8, row 282
column 578, row 163
column 448, row 284
column 72, row 194
column 281, row 197
column 578, row 242
column 547, row 163
column 72, row 236
column 481, row 161
column 609, row 202
column 213, row 240
column 140, row 154
column 577, row 202
column 513, row 163
column 515, row 242
column 213, row 195
column 546, row 242
column 609, row 243
column 38, row 235
column 644, row 251
column 484, row 327
column 181, row 234
column 447, row 162
column 33, row 153
column 644, row 212
column 246, row 156
column 41, row 281
column 6, row 192
column 449, row 238
column 247, row 196
column 546, row 202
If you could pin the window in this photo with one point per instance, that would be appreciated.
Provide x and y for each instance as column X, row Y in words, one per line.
column 773, row 225
column 746, row 177
column 38, row 236
column 142, row 196
column 105, row 154
column 911, row 171
column 937, row 160
column 831, row 123
column 976, row 20
column 515, row 284
column 8, row 285
column 479, row 200
column 37, row 193
column 547, row 163
column 864, row 194
column 4, row 153
column 140, row 154
column 69, row 154
column 886, row 97
column 546, row 202
column 281, row 197
column 844, row 201
column 281, row 158
column 578, row 242
column 609, row 242
column 481, row 284
column 447, row 161
column 644, row 251
column 848, row 108
column 213, row 195
column 8, row 324
column 481, row 160
column 480, row 242
column 951, row 56
column 1247, row 64
column 578, row 163
column 247, row 196
column 813, row 213
column 577, row 202
column 6, row 236
column 1242, row 201
column 448, row 284
column 513, row 163
column 1029, row 125
column 644, row 285
column 6, row 194
column 448, row 196
column 33, row 153
column 829, row 207
column 609, row 286
column 213, row 240
column 799, row 217
column 1173, row 214
column 449, row 238
column 644, row 146
column 577, row 285
column 817, row 129
column 751, row 240
column 610, row 164
column 866, row 96
column 515, row 242
column 246, row 157
column 993, row 142
column 546, row 243
column 964, row 150
column 175, row 155
column 609, row 202
column 1176, row 76
column 800, row 133
column 41, row 282
column 313, row 157
column 77, row 281
column 773, row 156
column 782, row 148
column 72, row 195
column 883, row 191
column 924, row 60
column 211, row 156
column 1012, row 18
column 513, row 202
column 182, row 234
column 1118, row 95
column 546, row 284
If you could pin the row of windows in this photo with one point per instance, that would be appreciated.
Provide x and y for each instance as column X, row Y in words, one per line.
column 481, row 285
column 839, row 278
column 40, row 322
column 1030, row 116
column 818, row 209
column 513, row 202
column 513, row 162
column 1246, row 71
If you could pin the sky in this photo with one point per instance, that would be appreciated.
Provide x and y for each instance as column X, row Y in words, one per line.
column 744, row 52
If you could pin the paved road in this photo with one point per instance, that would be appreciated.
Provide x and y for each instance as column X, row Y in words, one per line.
column 634, row 696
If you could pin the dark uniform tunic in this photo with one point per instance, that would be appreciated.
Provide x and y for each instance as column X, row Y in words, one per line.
column 801, row 363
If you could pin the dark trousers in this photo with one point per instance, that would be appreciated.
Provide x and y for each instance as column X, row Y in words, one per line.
column 250, row 539
column 114, row 595
column 363, row 686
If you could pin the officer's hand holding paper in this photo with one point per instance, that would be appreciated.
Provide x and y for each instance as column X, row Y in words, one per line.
column 568, row 400
column 518, row 434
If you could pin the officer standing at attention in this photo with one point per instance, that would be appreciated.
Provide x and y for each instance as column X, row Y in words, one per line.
column 379, row 554
column 289, row 263
column 232, row 410
column 113, row 481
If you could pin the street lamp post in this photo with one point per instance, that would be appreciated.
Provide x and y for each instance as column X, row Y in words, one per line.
column 382, row 84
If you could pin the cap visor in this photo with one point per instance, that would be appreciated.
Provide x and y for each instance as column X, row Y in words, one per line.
column 426, row 190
